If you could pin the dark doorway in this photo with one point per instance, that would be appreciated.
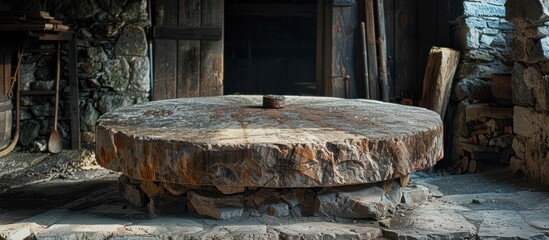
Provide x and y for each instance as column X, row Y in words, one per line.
column 270, row 47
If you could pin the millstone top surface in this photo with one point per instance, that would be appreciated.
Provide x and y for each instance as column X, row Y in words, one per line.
column 233, row 141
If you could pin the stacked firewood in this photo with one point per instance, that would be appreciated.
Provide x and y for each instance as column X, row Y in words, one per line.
column 30, row 20
column 490, row 137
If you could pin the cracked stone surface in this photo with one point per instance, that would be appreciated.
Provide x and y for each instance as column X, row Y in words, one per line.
column 232, row 141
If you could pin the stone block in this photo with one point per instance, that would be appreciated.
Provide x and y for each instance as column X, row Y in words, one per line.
column 481, row 9
column 132, row 42
column 117, row 74
column 415, row 195
column 499, row 25
column 29, row 132
column 518, row 50
column 475, row 22
column 529, row 123
column 475, row 70
column 95, row 55
column 135, row 12
column 501, row 41
column 111, row 101
column 475, row 88
column 541, row 94
column 522, row 86
column 364, row 203
column 88, row 117
column 218, row 207
column 139, row 80
column 134, row 195
column 540, row 50
column 486, row 39
column 42, row 109
column 533, row 10
column 478, row 54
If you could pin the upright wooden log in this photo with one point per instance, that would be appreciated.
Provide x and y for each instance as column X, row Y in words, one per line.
column 441, row 66
column 372, row 53
column 383, row 79
column 365, row 59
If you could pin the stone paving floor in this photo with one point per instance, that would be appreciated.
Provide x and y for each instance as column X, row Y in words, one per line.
column 66, row 196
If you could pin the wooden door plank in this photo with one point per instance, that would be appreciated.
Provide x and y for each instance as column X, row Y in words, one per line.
column 165, row 57
column 211, row 52
column 406, row 48
column 188, row 52
column 343, row 48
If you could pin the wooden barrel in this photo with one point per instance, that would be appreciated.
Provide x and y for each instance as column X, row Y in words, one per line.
column 5, row 121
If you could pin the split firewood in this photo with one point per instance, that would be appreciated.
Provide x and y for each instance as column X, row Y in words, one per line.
column 485, row 131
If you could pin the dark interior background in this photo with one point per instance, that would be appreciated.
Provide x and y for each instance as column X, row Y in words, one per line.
column 270, row 47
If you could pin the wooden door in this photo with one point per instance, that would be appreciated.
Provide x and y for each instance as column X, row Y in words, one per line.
column 188, row 48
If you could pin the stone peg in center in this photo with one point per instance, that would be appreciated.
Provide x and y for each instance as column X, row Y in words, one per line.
column 273, row 101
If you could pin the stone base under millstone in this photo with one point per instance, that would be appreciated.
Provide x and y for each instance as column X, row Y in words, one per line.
column 367, row 201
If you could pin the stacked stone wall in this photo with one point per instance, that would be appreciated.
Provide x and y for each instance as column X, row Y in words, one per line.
column 113, row 65
column 531, row 86
column 483, row 35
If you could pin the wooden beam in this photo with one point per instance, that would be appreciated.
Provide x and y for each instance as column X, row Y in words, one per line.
column 188, row 51
column 188, row 33
column 211, row 52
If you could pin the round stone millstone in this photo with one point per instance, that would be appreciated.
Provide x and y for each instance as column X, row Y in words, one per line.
column 234, row 141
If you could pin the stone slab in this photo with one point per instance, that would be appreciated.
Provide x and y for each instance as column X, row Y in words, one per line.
column 433, row 221
column 326, row 230
column 232, row 141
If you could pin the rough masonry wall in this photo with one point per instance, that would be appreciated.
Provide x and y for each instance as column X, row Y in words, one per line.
column 531, row 86
column 481, row 33
column 113, row 64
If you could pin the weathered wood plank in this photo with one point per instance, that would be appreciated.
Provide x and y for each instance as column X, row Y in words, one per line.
column 165, row 57
column 343, row 49
column 439, row 73
column 211, row 52
column 188, row 52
